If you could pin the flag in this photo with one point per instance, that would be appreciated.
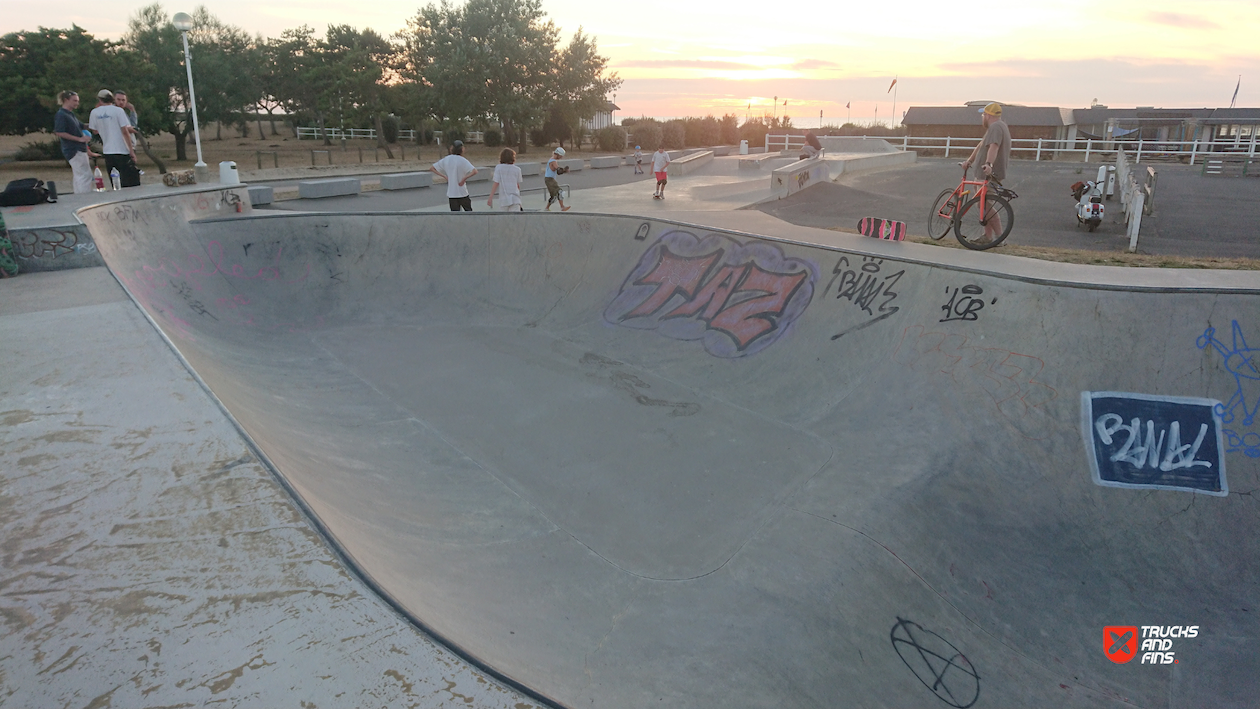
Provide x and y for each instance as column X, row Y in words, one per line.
column 890, row 86
column 785, row 103
column 1236, row 87
column 847, row 104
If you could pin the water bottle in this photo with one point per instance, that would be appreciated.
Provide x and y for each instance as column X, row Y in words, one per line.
column 115, row 179
column 98, row 182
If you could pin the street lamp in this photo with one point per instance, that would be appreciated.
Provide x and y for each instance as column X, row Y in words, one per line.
column 184, row 22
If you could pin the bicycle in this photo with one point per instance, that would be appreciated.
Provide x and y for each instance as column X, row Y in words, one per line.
column 967, row 215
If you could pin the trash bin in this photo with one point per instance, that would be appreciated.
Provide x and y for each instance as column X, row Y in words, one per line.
column 743, row 147
column 228, row 174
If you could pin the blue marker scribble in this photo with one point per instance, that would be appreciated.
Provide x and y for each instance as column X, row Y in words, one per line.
column 1240, row 361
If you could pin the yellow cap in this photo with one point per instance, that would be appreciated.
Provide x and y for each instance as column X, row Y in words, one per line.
column 993, row 109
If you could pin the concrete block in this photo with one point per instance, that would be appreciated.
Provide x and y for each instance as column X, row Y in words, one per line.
column 484, row 172
column 605, row 161
column 574, row 165
column 333, row 187
column 797, row 176
column 530, row 168
column 406, row 180
column 260, row 195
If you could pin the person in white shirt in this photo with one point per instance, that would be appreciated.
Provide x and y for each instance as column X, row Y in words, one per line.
column 114, row 126
column 660, row 164
column 456, row 169
column 507, row 182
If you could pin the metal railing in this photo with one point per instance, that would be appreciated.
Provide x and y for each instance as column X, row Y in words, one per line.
column 1050, row 148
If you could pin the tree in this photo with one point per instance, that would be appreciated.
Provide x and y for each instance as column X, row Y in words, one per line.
column 36, row 66
column 489, row 60
column 581, row 87
column 222, row 59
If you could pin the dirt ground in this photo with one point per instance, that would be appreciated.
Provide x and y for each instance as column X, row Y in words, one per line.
column 289, row 152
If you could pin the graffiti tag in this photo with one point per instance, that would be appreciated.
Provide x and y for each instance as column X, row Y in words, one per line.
column 1240, row 410
column 963, row 303
column 863, row 284
column 737, row 298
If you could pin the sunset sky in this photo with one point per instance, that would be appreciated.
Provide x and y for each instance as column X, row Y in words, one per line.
column 715, row 57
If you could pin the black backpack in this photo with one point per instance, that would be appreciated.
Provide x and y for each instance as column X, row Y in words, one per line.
column 20, row 193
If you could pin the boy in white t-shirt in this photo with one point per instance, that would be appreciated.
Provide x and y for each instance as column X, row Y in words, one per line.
column 660, row 164
column 456, row 169
column 114, row 126
column 507, row 182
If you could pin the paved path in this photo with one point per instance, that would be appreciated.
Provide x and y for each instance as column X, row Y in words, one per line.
column 1194, row 216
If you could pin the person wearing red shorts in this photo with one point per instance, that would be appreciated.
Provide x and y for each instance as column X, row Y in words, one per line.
column 660, row 166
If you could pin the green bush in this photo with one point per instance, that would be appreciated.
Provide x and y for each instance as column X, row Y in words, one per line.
column 389, row 128
column 674, row 134
column 492, row 138
column 729, row 128
column 40, row 150
column 452, row 134
column 611, row 139
column 702, row 132
column 647, row 135
column 539, row 137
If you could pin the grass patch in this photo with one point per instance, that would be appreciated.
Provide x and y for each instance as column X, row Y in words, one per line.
column 1096, row 258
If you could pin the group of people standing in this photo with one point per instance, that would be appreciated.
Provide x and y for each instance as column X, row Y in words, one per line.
column 115, row 121
column 457, row 171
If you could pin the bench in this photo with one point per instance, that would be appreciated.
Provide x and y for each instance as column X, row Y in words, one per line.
column 605, row 161
column 530, row 168
column 406, row 180
column 333, row 187
column 260, row 195
column 574, row 165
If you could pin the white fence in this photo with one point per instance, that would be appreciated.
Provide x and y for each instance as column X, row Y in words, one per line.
column 1049, row 148
column 1137, row 194
column 473, row 136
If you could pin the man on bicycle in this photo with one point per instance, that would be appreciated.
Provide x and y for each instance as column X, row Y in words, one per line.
column 996, row 150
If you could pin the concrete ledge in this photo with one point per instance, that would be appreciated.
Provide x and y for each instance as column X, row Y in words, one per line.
column 686, row 164
column 260, row 195
column 755, row 162
column 530, row 168
column 795, row 177
column 484, row 172
column 574, row 165
column 851, row 163
column 53, row 248
column 848, row 144
column 605, row 161
column 335, row 187
column 406, row 180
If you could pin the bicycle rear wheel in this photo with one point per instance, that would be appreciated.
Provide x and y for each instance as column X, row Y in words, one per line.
column 941, row 220
column 969, row 226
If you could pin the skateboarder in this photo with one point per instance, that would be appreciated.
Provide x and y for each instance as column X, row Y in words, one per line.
column 638, row 160
column 660, row 166
column 549, row 177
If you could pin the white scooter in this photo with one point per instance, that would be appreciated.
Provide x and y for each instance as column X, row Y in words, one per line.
column 1089, row 199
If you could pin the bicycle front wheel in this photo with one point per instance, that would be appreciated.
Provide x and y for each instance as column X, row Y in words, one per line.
column 970, row 226
column 941, row 220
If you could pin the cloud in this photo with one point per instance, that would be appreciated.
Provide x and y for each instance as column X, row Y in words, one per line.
column 1181, row 21
column 806, row 64
column 684, row 64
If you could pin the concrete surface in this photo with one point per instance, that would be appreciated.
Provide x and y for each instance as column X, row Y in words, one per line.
column 627, row 462
column 406, row 180
column 261, row 195
column 1194, row 216
column 796, row 176
column 149, row 559
column 331, row 187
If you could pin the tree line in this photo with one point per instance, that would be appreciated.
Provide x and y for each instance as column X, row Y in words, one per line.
column 484, row 63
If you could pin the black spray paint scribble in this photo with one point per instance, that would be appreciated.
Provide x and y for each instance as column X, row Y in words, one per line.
column 865, row 285
column 936, row 663
column 964, row 303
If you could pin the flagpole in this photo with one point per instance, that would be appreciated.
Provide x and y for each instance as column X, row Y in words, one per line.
column 895, row 103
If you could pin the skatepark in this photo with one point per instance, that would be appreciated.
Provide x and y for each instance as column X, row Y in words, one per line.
column 674, row 454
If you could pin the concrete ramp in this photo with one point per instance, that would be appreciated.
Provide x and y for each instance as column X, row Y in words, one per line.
column 632, row 462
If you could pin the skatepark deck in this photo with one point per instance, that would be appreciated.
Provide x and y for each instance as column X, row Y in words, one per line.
column 625, row 461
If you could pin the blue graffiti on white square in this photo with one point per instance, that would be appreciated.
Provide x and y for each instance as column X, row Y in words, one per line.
column 1242, row 407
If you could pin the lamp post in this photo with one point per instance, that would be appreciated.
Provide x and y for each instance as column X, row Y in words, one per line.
column 184, row 22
